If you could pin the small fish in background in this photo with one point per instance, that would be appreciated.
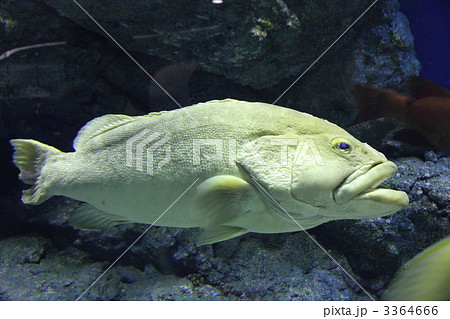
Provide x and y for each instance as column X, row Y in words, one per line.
column 174, row 79
column 425, row 277
column 426, row 113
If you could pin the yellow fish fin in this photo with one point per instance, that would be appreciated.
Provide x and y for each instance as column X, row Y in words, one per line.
column 89, row 217
column 222, row 198
column 30, row 156
column 100, row 125
column 217, row 234
column 155, row 113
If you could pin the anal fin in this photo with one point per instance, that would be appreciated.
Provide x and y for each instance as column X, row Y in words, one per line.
column 220, row 233
column 88, row 217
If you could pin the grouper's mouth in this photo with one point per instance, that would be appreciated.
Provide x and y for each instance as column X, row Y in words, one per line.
column 361, row 185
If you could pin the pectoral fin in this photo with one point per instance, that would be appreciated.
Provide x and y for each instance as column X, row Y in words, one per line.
column 222, row 198
column 217, row 234
column 89, row 217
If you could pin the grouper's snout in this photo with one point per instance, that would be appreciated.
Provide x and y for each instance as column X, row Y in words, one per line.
column 361, row 185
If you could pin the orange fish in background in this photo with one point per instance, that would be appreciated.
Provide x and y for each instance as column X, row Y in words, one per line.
column 426, row 113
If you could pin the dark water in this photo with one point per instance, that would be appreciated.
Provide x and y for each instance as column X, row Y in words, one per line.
column 430, row 25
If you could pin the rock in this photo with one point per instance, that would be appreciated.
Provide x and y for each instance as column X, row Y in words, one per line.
column 176, row 289
column 31, row 250
column 256, row 50
column 279, row 267
column 55, row 276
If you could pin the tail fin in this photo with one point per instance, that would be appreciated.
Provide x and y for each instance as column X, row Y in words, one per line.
column 29, row 156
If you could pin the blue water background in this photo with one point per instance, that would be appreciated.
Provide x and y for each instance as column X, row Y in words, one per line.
column 430, row 26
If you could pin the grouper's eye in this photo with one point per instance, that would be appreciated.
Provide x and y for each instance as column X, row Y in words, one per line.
column 342, row 145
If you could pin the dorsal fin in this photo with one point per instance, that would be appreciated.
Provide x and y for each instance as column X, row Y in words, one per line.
column 156, row 113
column 103, row 124
column 100, row 125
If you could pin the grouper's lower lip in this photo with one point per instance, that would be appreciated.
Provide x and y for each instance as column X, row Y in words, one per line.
column 362, row 183
column 384, row 196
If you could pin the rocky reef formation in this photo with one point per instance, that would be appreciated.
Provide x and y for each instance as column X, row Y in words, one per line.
column 251, row 50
